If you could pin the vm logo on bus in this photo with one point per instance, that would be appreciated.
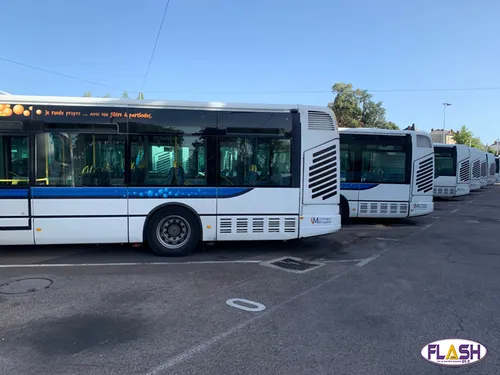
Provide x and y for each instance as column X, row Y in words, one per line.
column 454, row 352
column 321, row 220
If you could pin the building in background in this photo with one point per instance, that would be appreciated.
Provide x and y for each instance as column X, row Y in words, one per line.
column 496, row 147
column 437, row 136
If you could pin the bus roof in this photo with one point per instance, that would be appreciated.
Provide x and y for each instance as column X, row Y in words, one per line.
column 84, row 101
column 381, row 131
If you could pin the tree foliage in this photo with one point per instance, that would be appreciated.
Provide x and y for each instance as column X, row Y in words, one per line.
column 355, row 108
column 464, row 136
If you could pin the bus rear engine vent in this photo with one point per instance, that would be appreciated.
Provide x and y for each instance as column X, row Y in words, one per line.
column 476, row 169
column 322, row 173
column 425, row 175
column 465, row 171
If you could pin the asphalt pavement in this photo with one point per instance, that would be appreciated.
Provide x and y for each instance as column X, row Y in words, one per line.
column 376, row 293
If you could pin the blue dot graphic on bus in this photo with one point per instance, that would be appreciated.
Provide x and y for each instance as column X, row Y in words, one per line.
column 170, row 193
column 141, row 195
column 150, row 193
column 160, row 191
column 165, row 196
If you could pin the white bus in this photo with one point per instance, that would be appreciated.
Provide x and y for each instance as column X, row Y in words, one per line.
column 491, row 168
column 497, row 168
column 171, row 174
column 476, row 158
column 385, row 173
column 452, row 170
column 484, row 168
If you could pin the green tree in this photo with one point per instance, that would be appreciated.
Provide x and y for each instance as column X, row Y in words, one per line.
column 87, row 94
column 391, row 125
column 464, row 136
column 355, row 108
column 346, row 105
column 140, row 96
column 125, row 95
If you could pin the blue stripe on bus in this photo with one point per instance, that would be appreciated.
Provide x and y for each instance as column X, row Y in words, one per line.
column 13, row 193
column 185, row 192
column 79, row 192
column 357, row 185
column 134, row 192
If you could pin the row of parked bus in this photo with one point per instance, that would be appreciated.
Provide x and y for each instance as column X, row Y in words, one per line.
column 393, row 173
column 174, row 174
column 461, row 169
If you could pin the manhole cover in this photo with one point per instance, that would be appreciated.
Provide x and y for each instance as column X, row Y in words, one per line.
column 291, row 264
column 25, row 286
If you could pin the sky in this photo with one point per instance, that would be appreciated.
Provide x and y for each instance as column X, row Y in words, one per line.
column 265, row 51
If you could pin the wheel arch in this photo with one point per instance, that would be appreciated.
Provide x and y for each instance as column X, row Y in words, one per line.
column 344, row 203
column 167, row 205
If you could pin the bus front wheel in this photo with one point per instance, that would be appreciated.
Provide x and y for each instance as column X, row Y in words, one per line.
column 173, row 231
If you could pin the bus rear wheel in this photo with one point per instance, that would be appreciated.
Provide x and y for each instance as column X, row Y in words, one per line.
column 344, row 210
column 173, row 231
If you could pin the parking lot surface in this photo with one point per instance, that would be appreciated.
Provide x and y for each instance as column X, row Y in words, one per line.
column 378, row 292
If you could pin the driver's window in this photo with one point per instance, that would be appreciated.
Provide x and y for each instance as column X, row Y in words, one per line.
column 13, row 160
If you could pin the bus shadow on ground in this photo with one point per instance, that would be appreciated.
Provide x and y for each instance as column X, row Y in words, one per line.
column 327, row 247
column 388, row 223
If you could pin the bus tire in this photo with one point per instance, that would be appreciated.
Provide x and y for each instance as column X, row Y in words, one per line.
column 173, row 231
column 344, row 210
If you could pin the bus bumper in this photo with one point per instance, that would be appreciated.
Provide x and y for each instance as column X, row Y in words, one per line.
column 462, row 189
column 420, row 207
column 475, row 184
column 318, row 225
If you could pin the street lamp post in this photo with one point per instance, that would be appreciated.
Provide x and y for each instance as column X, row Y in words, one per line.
column 444, row 121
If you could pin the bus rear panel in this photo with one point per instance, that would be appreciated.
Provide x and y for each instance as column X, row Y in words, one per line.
column 386, row 173
column 452, row 170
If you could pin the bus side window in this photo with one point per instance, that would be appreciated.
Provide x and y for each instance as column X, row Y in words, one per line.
column 13, row 160
column 176, row 160
column 77, row 159
column 254, row 161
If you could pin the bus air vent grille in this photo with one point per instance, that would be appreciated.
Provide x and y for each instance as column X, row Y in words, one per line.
column 225, row 225
column 483, row 169
column 476, row 169
column 320, row 121
column 256, row 225
column 382, row 209
column 323, row 173
column 465, row 171
column 492, row 169
column 425, row 175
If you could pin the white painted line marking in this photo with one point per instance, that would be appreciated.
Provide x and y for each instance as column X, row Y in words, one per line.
column 342, row 261
column 387, row 239
column 48, row 265
column 258, row 306
column 364, row 262
column 455, row 210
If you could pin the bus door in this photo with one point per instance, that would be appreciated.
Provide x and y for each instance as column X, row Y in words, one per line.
column 15, row 210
